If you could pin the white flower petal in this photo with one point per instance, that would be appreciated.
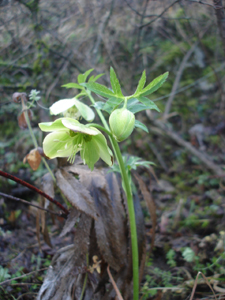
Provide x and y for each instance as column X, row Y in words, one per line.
column 78, row 127
column 61, row 105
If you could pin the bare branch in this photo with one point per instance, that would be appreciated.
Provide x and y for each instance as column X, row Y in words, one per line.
column 201, row 2
column 34, row 205
column 19, row 277
column 160, row 15
column 180, row 72
column 220, row 15
column 204, row 158
column 31, row 187
column 178, row 78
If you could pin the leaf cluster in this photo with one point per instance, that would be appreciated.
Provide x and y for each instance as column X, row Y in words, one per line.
column 114, row 97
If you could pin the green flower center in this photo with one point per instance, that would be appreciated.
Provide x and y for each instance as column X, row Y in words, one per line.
column 78, row 143
column 87, row 138
column 72, row 112
column 72, row 133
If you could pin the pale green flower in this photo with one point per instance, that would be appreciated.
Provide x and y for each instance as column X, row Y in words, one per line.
column 72, row 108
column 68, row 137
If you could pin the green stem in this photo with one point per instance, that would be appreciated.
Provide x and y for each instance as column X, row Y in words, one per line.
column 130, row 204
column 98, row 111
column 101, row 128
column 36, row 144
column 133, row 230
column 102, row 119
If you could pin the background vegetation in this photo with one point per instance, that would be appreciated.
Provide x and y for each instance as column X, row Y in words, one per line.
column 45, row 44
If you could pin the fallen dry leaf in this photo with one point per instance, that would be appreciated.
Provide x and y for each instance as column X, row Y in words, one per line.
column 76, row 193
column 33, row 158
column 22, row 120
column 71, row 221
column 110, row 226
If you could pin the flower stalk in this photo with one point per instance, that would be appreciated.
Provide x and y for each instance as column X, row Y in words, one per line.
column 130, row 204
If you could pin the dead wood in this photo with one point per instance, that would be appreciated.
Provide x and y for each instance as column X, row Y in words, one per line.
column 203, row 157
column 101, row 238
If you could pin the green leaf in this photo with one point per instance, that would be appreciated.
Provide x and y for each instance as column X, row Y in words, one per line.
column 135, row 106
column 107, row 108
column 99, row 89
column 140, row 125
column 95, row 78
column 91, row 79
column 113, row 102
column 82, row 93
column 149, row 103
column 141, row 83
column 145, row 163
column 82, row 77
column 188, row 254
column 98, row 105
column 72, row 85
column 87, row 73
column 154, row 85
column 115, row 83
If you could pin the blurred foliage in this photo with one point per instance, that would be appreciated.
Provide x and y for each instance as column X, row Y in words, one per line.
column 47, row 46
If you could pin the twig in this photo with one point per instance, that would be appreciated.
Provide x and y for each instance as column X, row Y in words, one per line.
column 205, row 159
column 179, row 74
column 25, row 275
column 28, row 293
column 114, row 285
column 158, row 156
column 178, row 78
column 31, row 187
column 105, row 21
column 201, row 2
column 155, row 15
column 196, row 282
column 186, row 87
column 34, row 205
column 61, row 71
column 220, row 15
column 160, row 15
column 138, row 42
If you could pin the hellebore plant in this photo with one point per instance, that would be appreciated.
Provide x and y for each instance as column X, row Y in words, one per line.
column 68, row 136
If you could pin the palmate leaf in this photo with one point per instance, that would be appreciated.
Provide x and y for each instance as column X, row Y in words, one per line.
column 98, row 89
column 151, row 87
column 115, row 84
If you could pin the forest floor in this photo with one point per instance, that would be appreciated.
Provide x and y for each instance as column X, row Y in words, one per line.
column 189, row 238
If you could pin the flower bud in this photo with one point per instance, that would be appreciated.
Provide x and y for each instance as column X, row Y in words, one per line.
column 121, row 122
